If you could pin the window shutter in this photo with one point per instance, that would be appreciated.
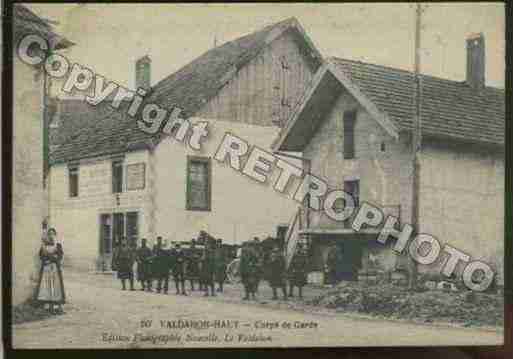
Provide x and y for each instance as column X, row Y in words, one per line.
column 117, row 177
column 73, row 181
column 198, row 183
column 349, row 121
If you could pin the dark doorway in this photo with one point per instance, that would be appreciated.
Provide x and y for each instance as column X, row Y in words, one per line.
column 351, row 260
column 118, row 228
column 132, row 228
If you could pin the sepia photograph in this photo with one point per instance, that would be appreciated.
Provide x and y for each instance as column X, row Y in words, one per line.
column 249, row 175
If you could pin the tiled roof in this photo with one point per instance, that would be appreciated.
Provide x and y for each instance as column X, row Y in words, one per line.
column 450, row 109
column 26, row 22
column 87, row 131
column 197, row 82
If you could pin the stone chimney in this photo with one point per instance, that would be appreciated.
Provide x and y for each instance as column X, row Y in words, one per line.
column 476, row 60
column 143, row 72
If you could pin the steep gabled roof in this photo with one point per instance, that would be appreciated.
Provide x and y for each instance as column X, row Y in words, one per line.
column 197, row 82
column 450, row 109
column 99, row 133
column 26, row 22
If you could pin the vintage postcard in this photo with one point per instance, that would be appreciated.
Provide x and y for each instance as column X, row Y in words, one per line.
column 257, row 175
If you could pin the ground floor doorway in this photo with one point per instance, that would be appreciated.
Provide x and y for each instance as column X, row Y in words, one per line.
column 344, row 260
column 337, row 257
column 113, row 227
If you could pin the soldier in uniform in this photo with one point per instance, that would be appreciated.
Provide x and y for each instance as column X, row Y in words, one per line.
column 249, row 270
column 298, row 271
column 192, row 264
column 259, row 253
column 161, row 266
column 220, row 265
column 124, row 262
column 277, row 273
column 243, row 269
column 143, row 258
column 116, row 244
column 178, row 268
column 207, row 269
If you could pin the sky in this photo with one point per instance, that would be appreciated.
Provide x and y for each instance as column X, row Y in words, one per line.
column 110, row 37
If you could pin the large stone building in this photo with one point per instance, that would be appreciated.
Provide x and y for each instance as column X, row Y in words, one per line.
column 110, row 179
column 28, row 204
column 354, row 128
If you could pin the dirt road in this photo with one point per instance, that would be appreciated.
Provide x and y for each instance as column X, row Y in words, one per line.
column 101, row 315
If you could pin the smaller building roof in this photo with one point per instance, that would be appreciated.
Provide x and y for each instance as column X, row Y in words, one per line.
column 79, row 130
column 449, row 109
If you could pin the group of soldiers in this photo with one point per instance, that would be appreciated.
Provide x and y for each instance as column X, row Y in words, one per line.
column 206, row 266
column 256, row 265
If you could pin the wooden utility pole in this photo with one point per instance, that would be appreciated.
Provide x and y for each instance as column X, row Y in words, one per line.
column 416, row 139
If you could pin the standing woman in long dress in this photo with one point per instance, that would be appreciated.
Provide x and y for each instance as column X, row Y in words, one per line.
column 50, row 288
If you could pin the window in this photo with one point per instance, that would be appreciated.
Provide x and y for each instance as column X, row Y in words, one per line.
column 73, row 181
column 117, row 176
column 199, row 176
column 105, row 234
column 349, row 121
column 135, row 176
column 353, row 188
